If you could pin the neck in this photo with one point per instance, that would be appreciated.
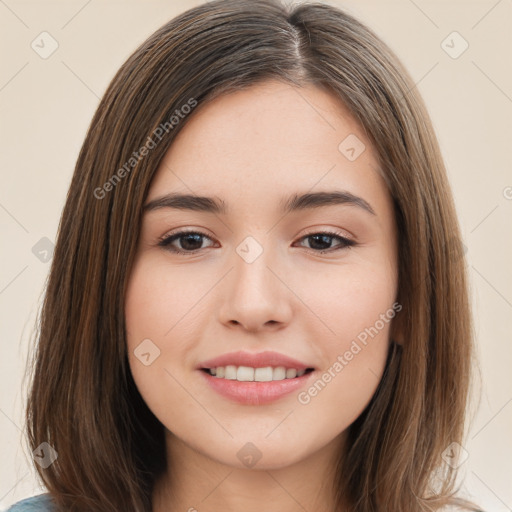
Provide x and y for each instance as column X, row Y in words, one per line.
column 196, row 482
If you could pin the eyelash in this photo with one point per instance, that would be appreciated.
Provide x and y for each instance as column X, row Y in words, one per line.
column 167, row 240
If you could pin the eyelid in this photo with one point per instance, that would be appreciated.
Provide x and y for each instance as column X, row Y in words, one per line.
column 311, row 231
column 343, row 233
column 180, row 231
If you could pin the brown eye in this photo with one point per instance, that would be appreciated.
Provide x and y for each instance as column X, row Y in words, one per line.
column 190, row 241
column 321, row 242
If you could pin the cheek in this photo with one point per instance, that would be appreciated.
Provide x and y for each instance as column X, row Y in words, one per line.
column 159, row 301
column 356, row 309
column 149, row 314
column 152, row 308
column 355, row 363
column 349, row 299
column 163, row 315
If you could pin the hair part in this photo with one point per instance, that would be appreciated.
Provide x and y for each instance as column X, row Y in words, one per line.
column 83, row 400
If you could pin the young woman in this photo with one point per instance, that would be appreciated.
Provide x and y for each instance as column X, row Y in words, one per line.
column 257, row 299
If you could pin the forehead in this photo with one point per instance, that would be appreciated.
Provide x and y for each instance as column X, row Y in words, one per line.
column 269, row 139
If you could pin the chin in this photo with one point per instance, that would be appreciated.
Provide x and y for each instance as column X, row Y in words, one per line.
column 256, row 452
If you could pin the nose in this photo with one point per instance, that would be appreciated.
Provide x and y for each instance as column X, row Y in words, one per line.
column 256, row 296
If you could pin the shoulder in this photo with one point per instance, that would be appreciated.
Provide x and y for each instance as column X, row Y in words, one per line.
column 41, row 503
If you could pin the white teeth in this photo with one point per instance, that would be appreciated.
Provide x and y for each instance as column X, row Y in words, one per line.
column 230, row 372
column 263, row 374
column 291, row 373
column 244, row 373
column 249, row 374
column 279, row 373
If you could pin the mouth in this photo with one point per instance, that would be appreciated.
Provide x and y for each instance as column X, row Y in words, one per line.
column 250, row 378
column 252, row 374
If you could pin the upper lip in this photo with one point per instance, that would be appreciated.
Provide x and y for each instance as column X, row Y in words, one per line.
column 254, row 360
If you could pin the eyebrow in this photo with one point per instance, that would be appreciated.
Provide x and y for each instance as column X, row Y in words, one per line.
column 293, row 203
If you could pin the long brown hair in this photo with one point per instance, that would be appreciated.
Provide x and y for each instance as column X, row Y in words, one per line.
column 83, row 400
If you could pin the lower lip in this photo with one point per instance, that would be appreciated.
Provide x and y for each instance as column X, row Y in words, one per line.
column 255, row 393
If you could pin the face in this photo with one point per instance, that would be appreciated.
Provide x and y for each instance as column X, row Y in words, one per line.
column 256, row 282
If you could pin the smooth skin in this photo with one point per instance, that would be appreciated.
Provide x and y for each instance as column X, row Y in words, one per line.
column 250, row 149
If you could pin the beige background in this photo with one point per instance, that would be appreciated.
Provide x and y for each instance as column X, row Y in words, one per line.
column 46, row 106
